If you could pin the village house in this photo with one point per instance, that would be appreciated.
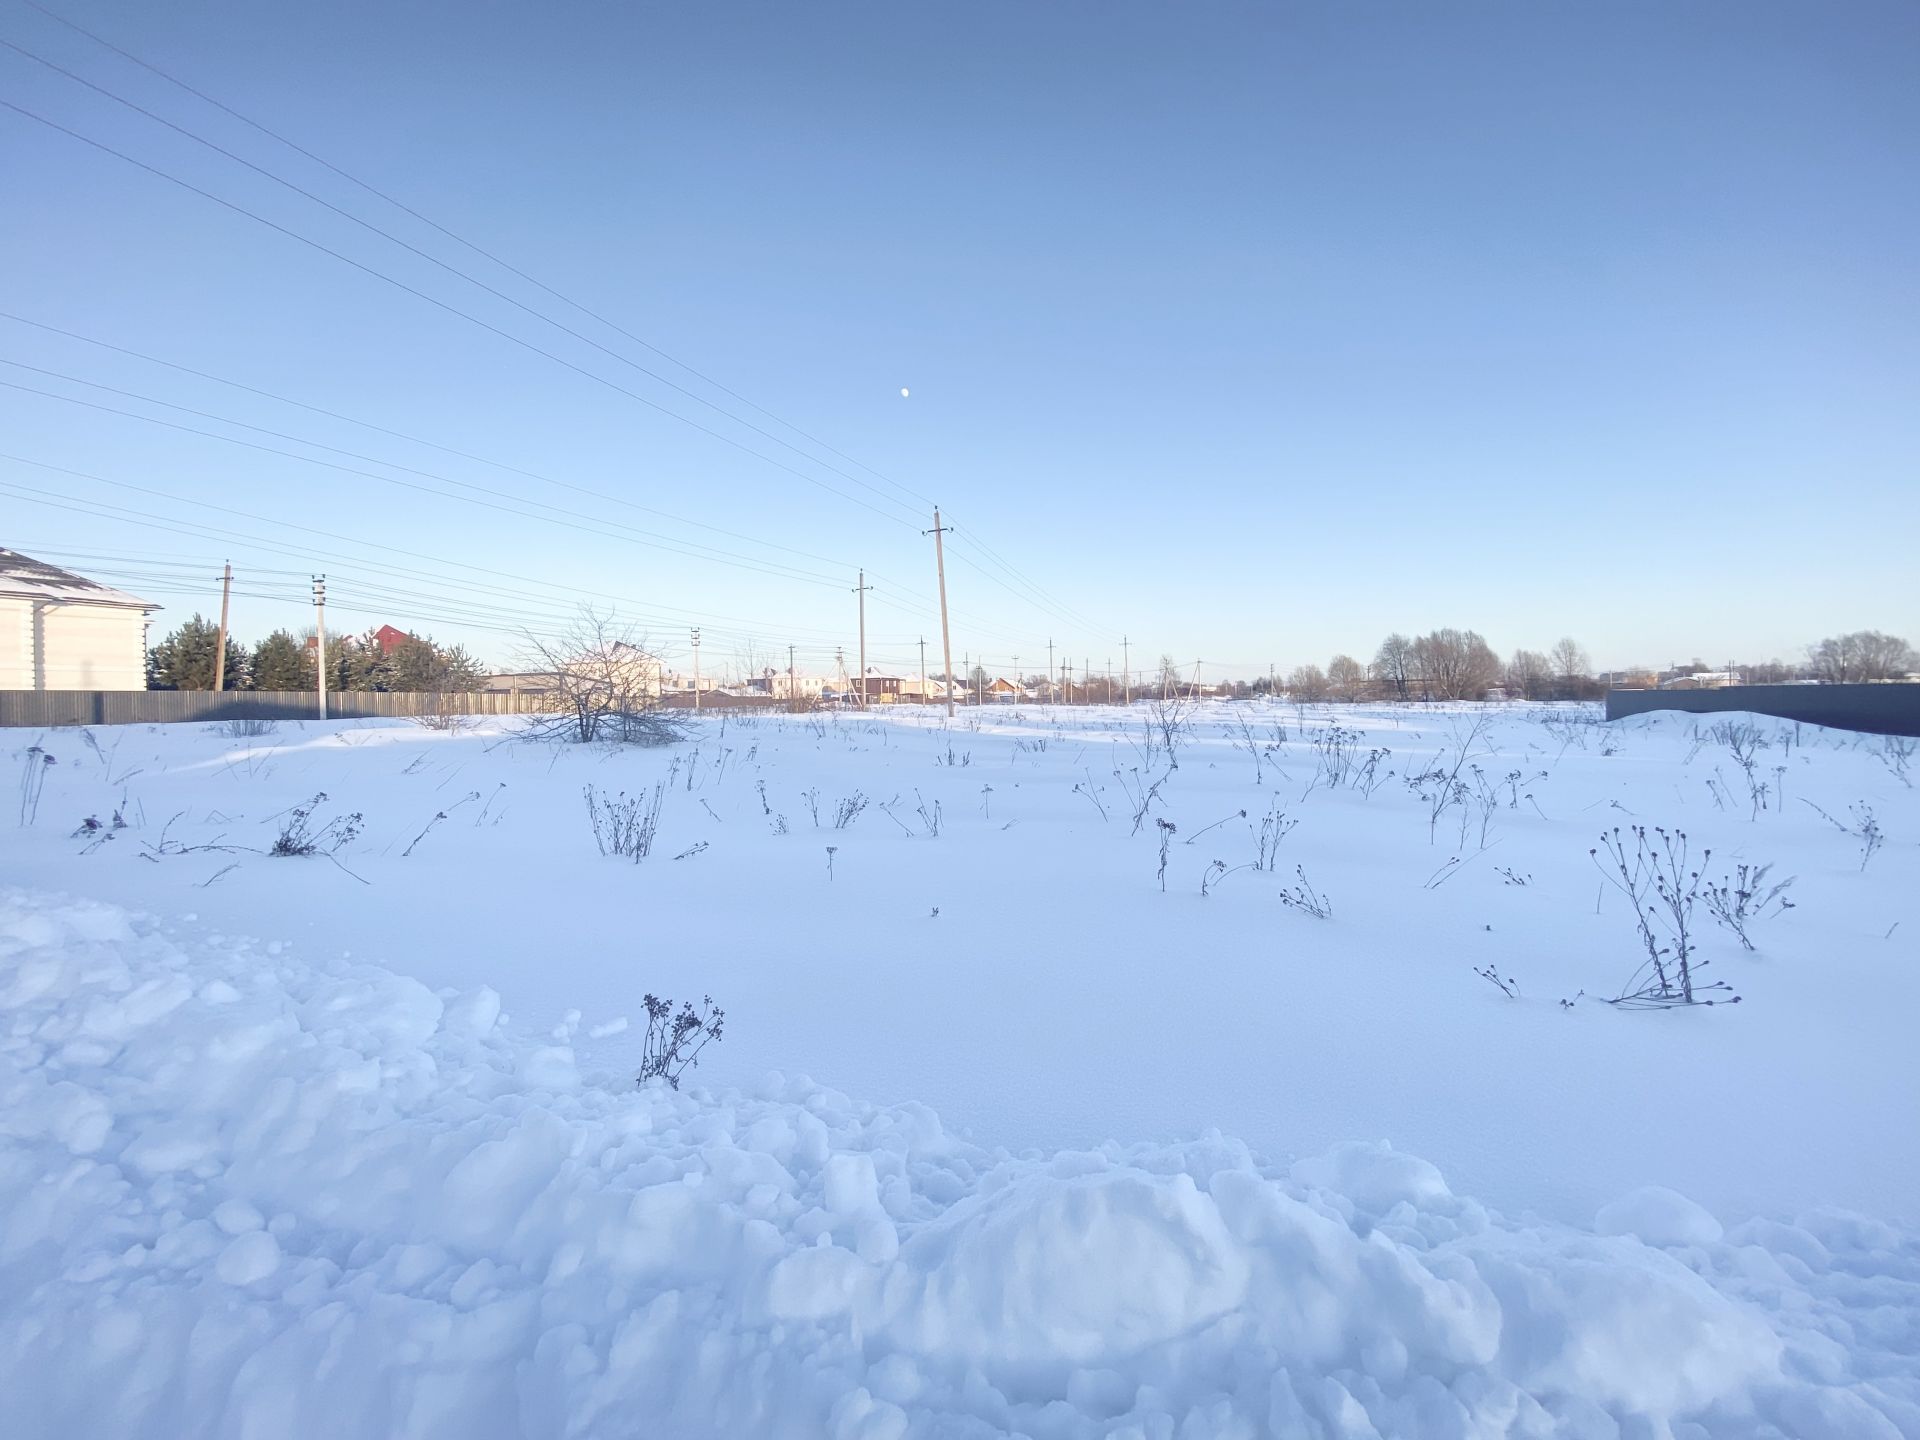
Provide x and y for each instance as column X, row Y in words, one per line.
column 62, row 631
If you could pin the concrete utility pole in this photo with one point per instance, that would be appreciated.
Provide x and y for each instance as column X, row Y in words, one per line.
column 220, row 655
column 946, row 644
column 1126, row 674
column 861, row 590
column 320, row 641
column 696, row 669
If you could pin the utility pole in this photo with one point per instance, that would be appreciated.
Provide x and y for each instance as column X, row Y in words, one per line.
column 1109, row 679
column 966, row 668
column 1018, row 684
column 320, row 641
column 220, row 655
column 1052, row 692
column 861, row 590
column 923, row 669
column 793, row 689
column 696, row 669
column 1126, row 674
column 946, row 644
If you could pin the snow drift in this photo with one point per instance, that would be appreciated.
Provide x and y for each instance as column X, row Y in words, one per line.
column 246, row 1196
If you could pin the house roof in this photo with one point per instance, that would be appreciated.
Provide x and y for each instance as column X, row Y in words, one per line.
column 37, row 580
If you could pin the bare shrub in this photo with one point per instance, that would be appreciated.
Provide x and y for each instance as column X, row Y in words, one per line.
column 1656, row 879
column 246, row 727
column 605, row 686
column 1738, row 900
column 625, row 825
column 1864, row 829
column 1304, row 897
column 675, row 1038
column 299, row 837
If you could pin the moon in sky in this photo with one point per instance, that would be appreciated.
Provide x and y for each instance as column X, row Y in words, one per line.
column 903, row 392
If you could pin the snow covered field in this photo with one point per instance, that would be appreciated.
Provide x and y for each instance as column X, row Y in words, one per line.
column 294, row 1147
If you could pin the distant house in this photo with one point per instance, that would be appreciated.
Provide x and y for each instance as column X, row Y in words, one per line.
column 882, row 685
column 1702, row 680
column 782, row 686
column 61, row 631
column 672, row 682
column 913, row 688
column 1001, row 689
column 386, row 637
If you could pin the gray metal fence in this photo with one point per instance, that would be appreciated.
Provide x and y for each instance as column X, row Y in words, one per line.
column 45, row 708
column 1876, row 709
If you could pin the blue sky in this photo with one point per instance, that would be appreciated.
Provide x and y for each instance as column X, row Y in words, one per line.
column 1249, row 333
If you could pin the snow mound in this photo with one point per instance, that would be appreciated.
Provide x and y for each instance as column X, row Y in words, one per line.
column 245, row 1195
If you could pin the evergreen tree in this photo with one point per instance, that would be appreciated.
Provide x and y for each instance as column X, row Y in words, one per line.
column 281, row 662
column 422, row 666
column 186, row 659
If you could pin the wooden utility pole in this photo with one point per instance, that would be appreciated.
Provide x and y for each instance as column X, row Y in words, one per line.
column 696, row 669
column 861, row 590
column 320, row 641
column 220, row 655
column 946, row 644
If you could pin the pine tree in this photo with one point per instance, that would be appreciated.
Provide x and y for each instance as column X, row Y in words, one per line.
column 421, row 666
column 281, row 662
column 186, row 659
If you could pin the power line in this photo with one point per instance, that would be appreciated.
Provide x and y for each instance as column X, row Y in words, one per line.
column 1042, row 596
column 468, row 244
column 1036, row 595
column 699, row 552
column 444, row 305
column 437, row 261
column 152, row 521
column 410, row 439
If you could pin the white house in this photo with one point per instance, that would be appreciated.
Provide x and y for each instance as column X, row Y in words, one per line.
column 61, row 631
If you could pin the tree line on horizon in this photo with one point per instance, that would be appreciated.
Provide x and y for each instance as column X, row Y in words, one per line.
column 186, row 660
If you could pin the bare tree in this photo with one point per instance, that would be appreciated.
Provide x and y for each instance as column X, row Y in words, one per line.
column 1394, row 663
column 1455, row 664
column 1570, row 661
column 1307, row 682
column 605, row 683
column 1860, row 655
column 1170, row 682
column 1527, row 674
column 1346, row 677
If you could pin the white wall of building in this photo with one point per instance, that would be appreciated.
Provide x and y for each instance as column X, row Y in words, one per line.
column 63, row 645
